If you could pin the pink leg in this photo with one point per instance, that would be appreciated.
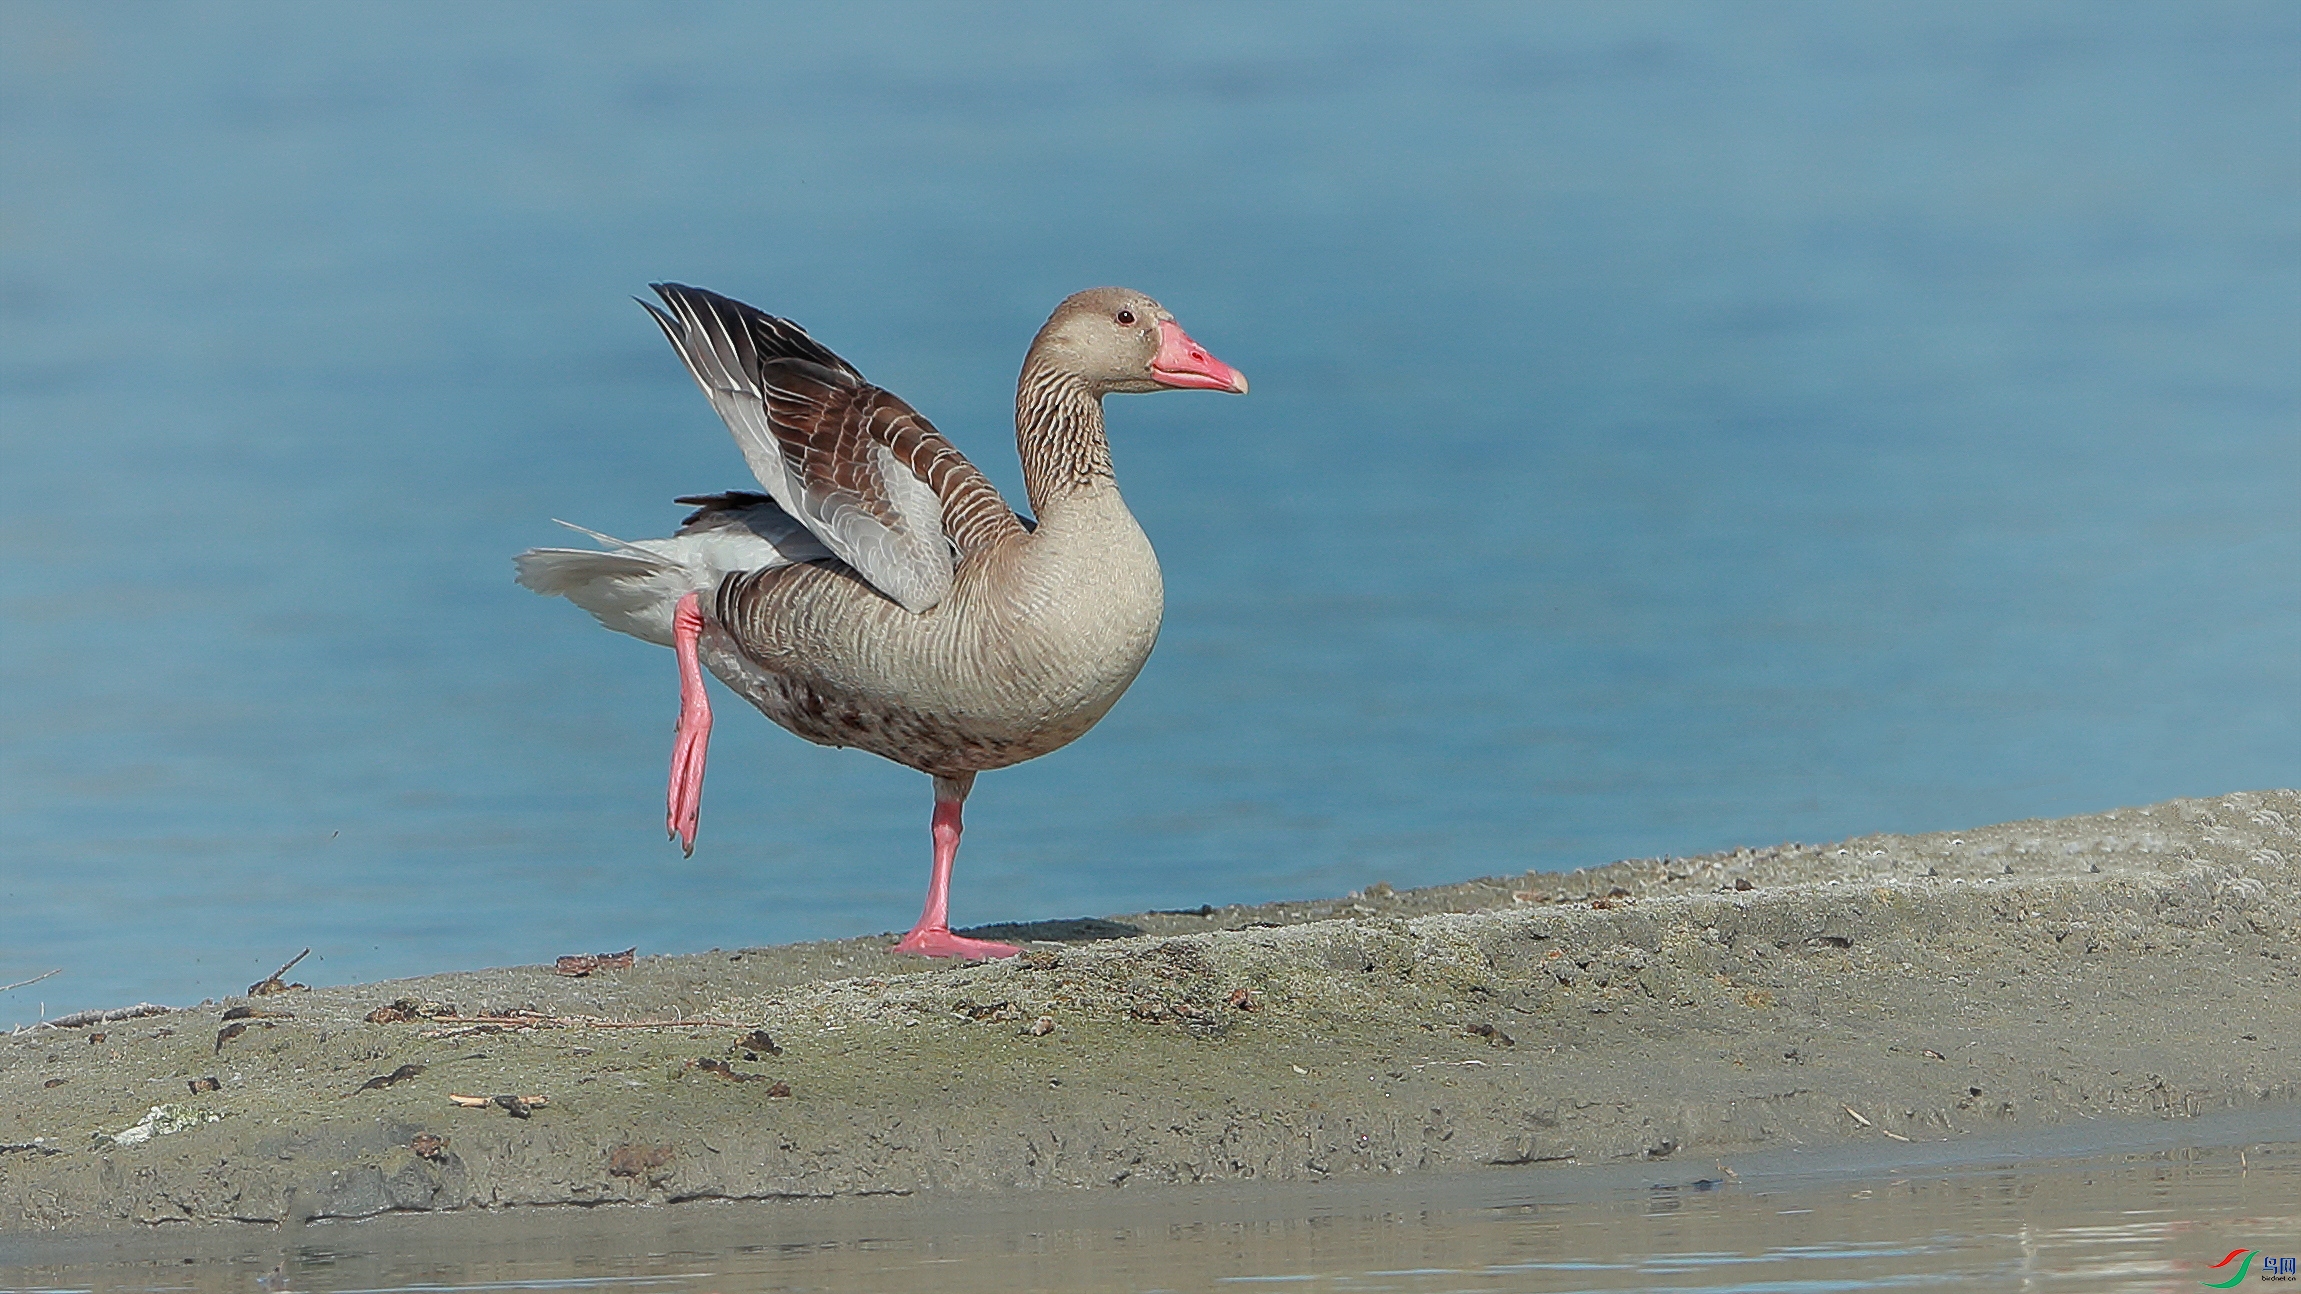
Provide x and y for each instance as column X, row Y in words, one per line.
column 932, row 937
column 685, row 798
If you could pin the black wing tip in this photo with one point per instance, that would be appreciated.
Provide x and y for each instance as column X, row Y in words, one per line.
column 772, row 335
column 727, row 499
column 709, row 505
column 677, row 295
column 684, row 299
column 672, row 328
column 686, row 302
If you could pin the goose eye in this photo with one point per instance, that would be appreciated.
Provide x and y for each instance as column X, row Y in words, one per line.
column 1126, row 316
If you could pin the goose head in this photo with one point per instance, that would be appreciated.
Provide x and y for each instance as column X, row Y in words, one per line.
column 1117, row 339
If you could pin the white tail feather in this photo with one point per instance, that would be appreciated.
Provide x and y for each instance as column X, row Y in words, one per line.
column 604, row 540
column 630, row 592
column 635, row 586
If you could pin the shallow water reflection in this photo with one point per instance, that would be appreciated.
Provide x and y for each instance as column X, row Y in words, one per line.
column 2140, row 1217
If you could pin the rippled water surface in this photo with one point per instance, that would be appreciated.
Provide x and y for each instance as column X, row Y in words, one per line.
column 2098, row 1210
column 1674, row 426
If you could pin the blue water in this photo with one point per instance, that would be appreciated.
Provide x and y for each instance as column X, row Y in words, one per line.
column 1674, row 426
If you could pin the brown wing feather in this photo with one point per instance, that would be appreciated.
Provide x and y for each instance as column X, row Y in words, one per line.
column 826, row 426
column 974, row 515
column 825, row 418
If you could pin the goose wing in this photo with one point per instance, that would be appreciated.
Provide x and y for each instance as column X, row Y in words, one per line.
column 857, row 466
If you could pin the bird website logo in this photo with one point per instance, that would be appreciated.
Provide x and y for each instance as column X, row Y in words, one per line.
column 2272, row 1269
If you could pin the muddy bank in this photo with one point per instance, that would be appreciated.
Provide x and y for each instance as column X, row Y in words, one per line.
column 1922, row 988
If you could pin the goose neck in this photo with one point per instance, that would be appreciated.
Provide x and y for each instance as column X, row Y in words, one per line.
column 1059, row 436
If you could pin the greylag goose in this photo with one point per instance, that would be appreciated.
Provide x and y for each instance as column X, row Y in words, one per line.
column 881, row 594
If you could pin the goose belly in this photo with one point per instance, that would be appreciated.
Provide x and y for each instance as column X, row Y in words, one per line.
column 999, row 673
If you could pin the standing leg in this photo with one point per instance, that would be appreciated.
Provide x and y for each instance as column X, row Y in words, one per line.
column 932, row 937
column 684, row 801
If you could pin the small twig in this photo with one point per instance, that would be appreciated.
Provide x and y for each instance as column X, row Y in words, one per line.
column 400, row 1075
column 278, row 981
column 78, row 1018
column 34, row 980
column 519, row 1107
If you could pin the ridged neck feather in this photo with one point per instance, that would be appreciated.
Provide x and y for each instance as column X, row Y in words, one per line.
column 1058, row 434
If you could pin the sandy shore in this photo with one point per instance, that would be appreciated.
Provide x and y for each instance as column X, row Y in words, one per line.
column 1914, row 988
